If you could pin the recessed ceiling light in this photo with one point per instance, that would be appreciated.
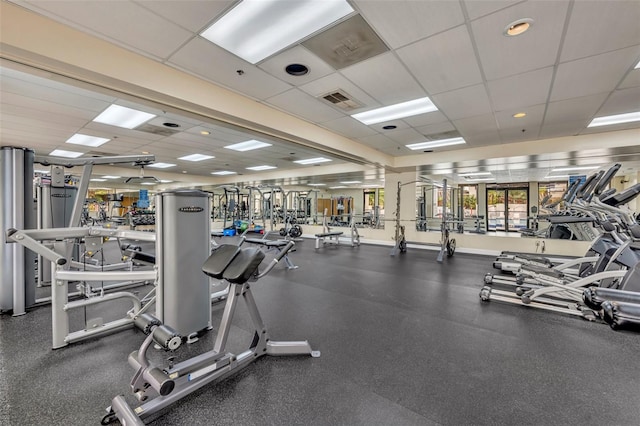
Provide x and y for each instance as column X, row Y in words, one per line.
column 371, row 186
column 205, row 132
column 223, row 173
column 390, row 127
column 97, row 180
column 147, row 183
column 86, row 140
column 259, row 168
column 519, row 115
column 557, row 177
column 196, row 157
column 145, row 152
column 165, row 181
column 518, row 27
column 337, row 187
column 351, row 182
column 436, row 144
column 248, row 145
column 570, row 169
column 317, row 184
column 296, row 69
column 120, row 116
column 110, row 177
column 394, row 112
column 254, row 30
column 63, row 153
column 161, row 165
column 615, row 119
column 475, row 174
column 174, row 125
column 312, row 160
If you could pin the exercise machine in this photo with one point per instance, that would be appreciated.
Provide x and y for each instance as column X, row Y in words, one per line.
column 327, row 236
column 158, row 388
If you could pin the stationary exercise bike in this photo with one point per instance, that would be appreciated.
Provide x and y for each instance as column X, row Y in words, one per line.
column 158, row 388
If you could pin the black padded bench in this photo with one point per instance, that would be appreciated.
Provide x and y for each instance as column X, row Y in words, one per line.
column 142, row 258
column 277, row 245
column 330, row 237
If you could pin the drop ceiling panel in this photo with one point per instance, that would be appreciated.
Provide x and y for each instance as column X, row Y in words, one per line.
column 463, row 103
column 428, row 119
column 530, row 88
column 45, row 117
column 632, row 80
column 128, row 24
column 476, row 9
column 577, row 109
column 443, row 62
column 402, row 22
column 592, row 75
column 620, row 20
column 562, row 128
column 436, row 129
column 193, row 15
column 299, row 103
column 335, row 81
column 479, row 130
column 406, row 136
column 621, row 101
column 46, row 107
column 349, row 127
column 217, row 65
column 503, row 56
column 296, row 55
column 533, row 120
column 110, row 131
column 385, row 79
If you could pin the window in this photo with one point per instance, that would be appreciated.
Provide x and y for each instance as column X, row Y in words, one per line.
column 551, row 192
column 470, row 200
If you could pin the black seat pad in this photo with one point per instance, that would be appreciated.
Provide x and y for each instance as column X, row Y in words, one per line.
column 329, row 234
column 143, row 258
column 267, row 243
column 243, row 265
column 219, row 260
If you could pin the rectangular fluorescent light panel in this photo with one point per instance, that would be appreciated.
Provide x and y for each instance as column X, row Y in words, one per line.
column 147, row 183
column 637, row 66
column 248, row 145
column 120, row 116
column 110, row 177
column 196, row 157
column 557, row 177
column 161, row 165
column 570, row 169
column 615, row 119
column 312, row 160
column 223, row 173
column 255, row 30
column 351, row 182
column 86, row 140
column 436, row 144
column 317, row 184
column 259, row 168
column 397, row 111
column 165, row 181
column 337, row 187
column 480, row 179
column 97, row 180
column 475, row 174
column 63, row 153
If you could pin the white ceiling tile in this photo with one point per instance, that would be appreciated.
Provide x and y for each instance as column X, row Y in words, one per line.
column 592, row 75
column 193, row 15
column 632, row 80
column 434, row 117
column 621, row 101
column 573, row 110
column 443, row 62
column 478, row 8
column 436, row 128
column 299, row 103
column 533, row 120
column 530, row 88
column 385, row 79
column 480, row 123
column 463, row 103
column 207, row 60
column 43, row 116
column 402, row 22
column 619, row 20
column 296, row 55
column 336, row 81
column 503, row 56
column 562, row 128
column 405, row 136
column 128, row 24
column 349, row 127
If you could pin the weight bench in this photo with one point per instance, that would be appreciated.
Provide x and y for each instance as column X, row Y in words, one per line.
column 328, row 238
column 142, row 258
column 277, row 245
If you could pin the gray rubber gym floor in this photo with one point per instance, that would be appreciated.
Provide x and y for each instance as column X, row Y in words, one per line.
column 404, row 341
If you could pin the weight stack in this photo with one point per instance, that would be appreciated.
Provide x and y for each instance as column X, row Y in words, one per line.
column 183, row 243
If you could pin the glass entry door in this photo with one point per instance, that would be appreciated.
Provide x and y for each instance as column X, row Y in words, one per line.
column 507, row 208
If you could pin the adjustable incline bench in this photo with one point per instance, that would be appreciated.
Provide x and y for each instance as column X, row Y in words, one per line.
column 277, row 245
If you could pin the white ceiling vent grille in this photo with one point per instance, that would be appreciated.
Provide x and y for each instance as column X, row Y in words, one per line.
column 341, row 100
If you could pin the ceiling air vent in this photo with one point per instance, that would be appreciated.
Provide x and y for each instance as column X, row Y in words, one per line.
column 341, row 99
column 157, row 130
column 444, row 135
